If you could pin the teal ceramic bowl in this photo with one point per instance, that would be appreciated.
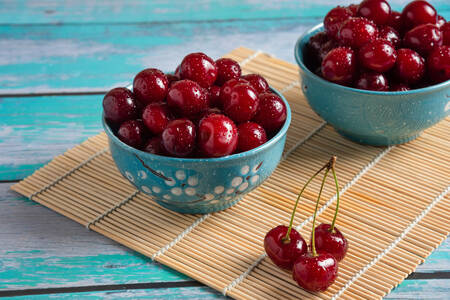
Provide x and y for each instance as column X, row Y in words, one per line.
column 191, row 185
column 370, row 117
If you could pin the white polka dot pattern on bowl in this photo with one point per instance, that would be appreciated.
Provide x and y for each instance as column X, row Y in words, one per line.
column 176, row 191
column 146, row 189
column 129, row 176
column 142, row 174
column 245, row 169
column 192, row 180
column 219, row 189
column 190, row 191
column 156, row 189
column 236, row 181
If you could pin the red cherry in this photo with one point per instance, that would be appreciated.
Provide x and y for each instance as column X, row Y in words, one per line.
column 214, row 96
column 119, row 105
column 372, row 81
column 272, row 112
column 227, row 69
column 418, row 12
column 150, row 85
column 154, row 146
column 179, row 137
column 207, row 112
column 440, row 21
column 200, row 68
column 378, row 55
column 354, row 9
column 438, row 64
column 172, row 78
column 242, row 103
column 317, row 40
column 225, row 90
column 330, row 242
column 284, row 254
column 315, row 273
column 334, row 19
column 395, row 21
column 446, row 33
column 339, row 65
column 376, row 10
column 251, row 135
column 355, row 32
column 258, row 82
column 389, row 34
column 409, row 67
column 187, row 97
column 399, row 87
column 132, row 133
column 156, row 116
column 327, row 47
column 217, row 136
column 178, row 71
column 423, row 38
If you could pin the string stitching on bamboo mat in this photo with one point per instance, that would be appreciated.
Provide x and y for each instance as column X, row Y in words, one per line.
column 118, row 205
column 68, row 173
column 325, row 206
column 393, row 244
column 251, row 57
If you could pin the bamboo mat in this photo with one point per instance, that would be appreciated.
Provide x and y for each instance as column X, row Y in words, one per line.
column 394, row 208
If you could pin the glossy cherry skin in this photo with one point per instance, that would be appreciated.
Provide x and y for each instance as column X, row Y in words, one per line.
column 251, row 135
column 178, row 138
column 423, row 38
column 409, row 67
column 284, row 254
column 446, row 33
column 315, row 273
column 217, row 136
column 156, row 116
column 378, row 11
column 399, row 87
column 119, row 105
column 257, row 82
column 378, row 55
column 225, row 90
column 150, row 85
column 354, row 9
column 207, row 112
column 242, row 103
column 339, row 65
column 327, row 47
column 334, row 19
column 395, row 21
column 440, row 21
column 418, row 12
column 172, row 78
column 438, row 64
column 317, row 40
column 154, row 146
column 272, row 112
column 333, row 243
column 389, row 34
column 178, row 71
column 372, row 81
column 200, row 68
column 227, row 69
column 355, row 32
column 132, row 133
column 214, row 96
column 187, row 98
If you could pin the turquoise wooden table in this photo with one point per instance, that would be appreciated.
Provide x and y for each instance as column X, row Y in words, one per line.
column 56, row 61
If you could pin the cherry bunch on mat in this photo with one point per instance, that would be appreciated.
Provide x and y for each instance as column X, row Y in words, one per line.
column 317, row 269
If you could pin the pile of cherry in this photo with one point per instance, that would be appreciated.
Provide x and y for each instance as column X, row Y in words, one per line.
column 205, row 109
column 317, row 269
column 371, row 47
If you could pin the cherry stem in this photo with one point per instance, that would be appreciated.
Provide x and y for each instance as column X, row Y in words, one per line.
column 313, row 236
column 286, row 239
column 337, row 198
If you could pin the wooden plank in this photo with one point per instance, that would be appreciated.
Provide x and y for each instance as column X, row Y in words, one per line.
column 421, row 289
column 80, row 12
column 41, row 249
column 202, row 292
column 98, row 57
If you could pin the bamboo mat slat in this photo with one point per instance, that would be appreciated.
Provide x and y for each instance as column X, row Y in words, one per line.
column 394, row 208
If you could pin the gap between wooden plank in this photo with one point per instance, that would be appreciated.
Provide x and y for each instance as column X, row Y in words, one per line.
column 163, row 285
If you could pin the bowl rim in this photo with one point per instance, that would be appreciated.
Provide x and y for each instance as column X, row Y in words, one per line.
column 251, row 152
column 346, row 88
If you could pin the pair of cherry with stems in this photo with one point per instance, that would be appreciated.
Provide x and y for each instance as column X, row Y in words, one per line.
column 315, row 270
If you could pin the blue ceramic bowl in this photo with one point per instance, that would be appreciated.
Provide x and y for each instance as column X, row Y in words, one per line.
column 194, row 185
column 370, row 117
